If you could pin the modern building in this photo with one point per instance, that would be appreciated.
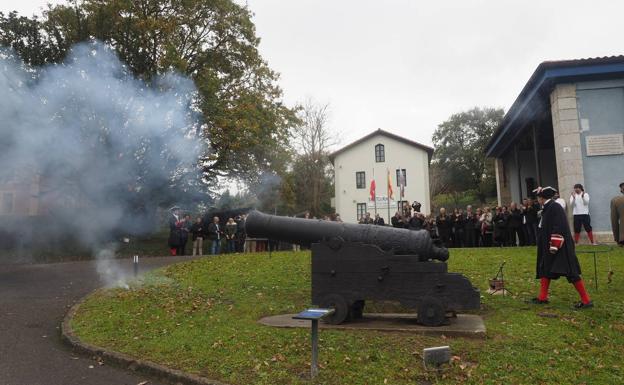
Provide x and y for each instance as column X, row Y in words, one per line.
column 381, row 156
column 565, row 127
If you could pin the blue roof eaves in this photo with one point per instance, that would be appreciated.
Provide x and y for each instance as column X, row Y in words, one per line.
column 553, row 74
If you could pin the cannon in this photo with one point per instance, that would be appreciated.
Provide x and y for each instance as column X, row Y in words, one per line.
column 353, row 263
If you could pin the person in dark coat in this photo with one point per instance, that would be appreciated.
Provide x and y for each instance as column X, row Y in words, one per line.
column 397, row 220
column 185, row 230
column 379, row 221
column 215, row 233
column 175, row 230
column 501, row 217
column 556, row 256
column 470, row 223
column 444, row 225
column 458, row 228
column 514, row 224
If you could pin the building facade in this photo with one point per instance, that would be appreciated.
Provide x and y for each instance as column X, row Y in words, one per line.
column 380, row 156
column 565, row 127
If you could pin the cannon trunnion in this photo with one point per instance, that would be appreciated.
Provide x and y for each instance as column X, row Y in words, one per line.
column 354, row 263
column 346, row 274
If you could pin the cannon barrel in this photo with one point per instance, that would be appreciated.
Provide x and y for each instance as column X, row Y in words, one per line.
column 307, row 231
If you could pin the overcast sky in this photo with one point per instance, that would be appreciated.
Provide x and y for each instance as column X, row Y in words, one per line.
column 405, row 66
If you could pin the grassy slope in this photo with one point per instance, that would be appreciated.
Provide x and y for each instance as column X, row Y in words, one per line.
column 201, row 317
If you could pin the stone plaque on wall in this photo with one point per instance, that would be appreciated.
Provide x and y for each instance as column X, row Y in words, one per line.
column 604, row 144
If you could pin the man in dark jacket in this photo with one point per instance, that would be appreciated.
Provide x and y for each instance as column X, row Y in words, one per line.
column 471, row 222
column 556, row 256
column 175, row 230
column 379, row 221
column 215, row 233
column 516, row 217
column 444, row 225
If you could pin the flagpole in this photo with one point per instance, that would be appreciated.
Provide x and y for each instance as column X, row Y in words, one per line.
column 388, row 193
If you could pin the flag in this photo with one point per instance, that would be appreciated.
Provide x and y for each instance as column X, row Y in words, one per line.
column 390, row 192
column 372, row 190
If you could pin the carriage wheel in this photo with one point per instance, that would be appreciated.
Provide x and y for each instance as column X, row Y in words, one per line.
column 340, row 306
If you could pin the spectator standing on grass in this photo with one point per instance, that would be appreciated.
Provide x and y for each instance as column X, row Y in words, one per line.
column 197, row 232
column 470, row 221
column 516, row 235
column 458, row 227
column 230, row 235
column 579, row 200
column 500, row 220
column 215, row 233
column 531, row 218
column 417, row 221
column 445, row 226
column 175, row 225
column 185, row 231
column 379, row 221
column 486, row 227
column 617, row 217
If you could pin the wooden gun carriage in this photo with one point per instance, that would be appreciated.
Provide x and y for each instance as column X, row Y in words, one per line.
column 352, row 263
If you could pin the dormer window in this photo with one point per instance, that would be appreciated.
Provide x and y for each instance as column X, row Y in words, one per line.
column 380, row 153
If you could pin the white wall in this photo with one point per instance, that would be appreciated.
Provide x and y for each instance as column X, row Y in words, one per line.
column 362, row 158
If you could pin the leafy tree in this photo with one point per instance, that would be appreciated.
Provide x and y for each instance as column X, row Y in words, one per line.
column 213, row 42
column 459, row 161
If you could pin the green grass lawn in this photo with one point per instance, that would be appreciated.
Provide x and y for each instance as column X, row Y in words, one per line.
column 201, row 317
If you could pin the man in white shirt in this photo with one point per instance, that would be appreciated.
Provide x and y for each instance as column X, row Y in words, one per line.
column 579, row 200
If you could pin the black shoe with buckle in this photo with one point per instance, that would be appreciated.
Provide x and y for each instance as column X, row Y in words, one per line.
column 537, row 301
column 581, row 305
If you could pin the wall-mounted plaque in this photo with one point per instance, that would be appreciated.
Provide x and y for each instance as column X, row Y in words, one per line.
column 604, row 144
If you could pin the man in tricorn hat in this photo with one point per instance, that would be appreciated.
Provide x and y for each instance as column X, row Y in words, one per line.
column 556, row 256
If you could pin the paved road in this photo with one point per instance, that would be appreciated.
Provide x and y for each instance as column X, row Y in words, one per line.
column 33, row 302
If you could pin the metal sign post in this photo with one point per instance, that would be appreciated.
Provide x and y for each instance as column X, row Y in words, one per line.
column 314, row 315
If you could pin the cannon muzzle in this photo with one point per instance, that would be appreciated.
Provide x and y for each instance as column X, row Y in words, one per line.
column 308, row 231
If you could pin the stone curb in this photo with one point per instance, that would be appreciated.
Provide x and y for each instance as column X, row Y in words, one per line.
column 125, row 361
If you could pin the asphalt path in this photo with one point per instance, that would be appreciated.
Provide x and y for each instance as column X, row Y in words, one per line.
column 33, row 302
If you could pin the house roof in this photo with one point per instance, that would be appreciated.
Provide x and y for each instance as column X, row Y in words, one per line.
column 535, row 96
column 379, row 131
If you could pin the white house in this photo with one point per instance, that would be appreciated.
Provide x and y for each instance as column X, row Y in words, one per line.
column 381, row 156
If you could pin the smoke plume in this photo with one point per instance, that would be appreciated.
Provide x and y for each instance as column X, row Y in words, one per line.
column 104, row 147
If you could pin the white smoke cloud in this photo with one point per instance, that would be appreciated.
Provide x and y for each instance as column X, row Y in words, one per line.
column 97, row 137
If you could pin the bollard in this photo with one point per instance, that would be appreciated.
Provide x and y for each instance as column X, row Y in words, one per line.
column 136, row 265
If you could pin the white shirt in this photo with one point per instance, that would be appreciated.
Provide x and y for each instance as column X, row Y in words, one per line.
column 580, row 203
column 561, row 201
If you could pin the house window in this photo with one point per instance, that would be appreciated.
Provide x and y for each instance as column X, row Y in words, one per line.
column 380, row 153
column 400, row 173
column 360, row 179
column 361, row 211
column 7, row 203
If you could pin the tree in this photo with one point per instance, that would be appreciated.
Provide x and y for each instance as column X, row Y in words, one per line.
column 459, row 159
column 311, row 167
column 213, row 42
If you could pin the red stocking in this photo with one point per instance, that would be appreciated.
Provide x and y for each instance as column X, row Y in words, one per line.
column 580, row 287
column 173, row 251
column 577, row 236
column 590, row 234
column 544, row 283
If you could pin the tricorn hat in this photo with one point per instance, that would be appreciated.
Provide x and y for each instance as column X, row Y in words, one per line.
column 545, row 192
column 174, row 208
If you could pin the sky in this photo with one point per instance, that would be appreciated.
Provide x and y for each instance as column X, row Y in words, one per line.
column 406, row 66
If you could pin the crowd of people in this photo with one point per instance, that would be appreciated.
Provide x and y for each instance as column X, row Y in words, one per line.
column 502, row 226
column 228, row 238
